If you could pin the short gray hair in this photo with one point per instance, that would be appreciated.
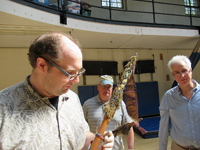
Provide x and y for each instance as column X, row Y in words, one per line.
column 179, row 58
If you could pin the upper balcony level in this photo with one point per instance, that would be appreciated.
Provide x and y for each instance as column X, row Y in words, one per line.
column 162, row 13
column 160, row 23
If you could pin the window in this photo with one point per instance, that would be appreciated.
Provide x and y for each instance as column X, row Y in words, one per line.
column 194, row 7
column 114, row 3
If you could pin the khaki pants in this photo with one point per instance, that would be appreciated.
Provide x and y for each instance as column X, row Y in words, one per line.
column 175, row 146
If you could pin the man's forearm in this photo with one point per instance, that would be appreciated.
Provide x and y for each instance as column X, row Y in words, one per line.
column 89, row 137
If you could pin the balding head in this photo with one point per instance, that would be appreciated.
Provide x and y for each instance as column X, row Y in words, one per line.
column 49, row 46
column 55, row 57
column 70, row 52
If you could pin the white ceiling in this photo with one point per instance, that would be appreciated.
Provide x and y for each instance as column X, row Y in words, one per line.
column 18, row 31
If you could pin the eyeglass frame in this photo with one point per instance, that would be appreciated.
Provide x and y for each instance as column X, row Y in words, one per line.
column 184, row 72
column 105, row 87
column 71, row 77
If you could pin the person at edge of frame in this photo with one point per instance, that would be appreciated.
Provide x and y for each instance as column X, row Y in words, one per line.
column 179, row 109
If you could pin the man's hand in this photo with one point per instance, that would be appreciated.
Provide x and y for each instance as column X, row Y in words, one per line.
column 108, row 140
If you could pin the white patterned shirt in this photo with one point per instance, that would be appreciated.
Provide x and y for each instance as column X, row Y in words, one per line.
column 30, row 122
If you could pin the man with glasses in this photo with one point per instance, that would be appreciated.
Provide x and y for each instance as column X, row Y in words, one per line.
column 94, row 113
column 180, row 109
column 42, row 113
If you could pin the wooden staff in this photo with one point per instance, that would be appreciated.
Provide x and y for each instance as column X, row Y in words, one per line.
column 115, row 100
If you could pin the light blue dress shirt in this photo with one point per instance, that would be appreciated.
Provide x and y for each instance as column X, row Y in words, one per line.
column 182, row 117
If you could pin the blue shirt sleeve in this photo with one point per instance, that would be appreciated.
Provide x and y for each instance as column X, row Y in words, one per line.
column 164, row 124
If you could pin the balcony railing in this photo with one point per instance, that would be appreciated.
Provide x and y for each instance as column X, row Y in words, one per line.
column 150, row 12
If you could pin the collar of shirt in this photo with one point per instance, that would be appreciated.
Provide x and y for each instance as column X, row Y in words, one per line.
column 100, row 101
column 33, row 97
column 33, row 94
column 197, row 87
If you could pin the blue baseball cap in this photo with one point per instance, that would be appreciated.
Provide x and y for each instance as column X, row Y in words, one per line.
column 105, row 79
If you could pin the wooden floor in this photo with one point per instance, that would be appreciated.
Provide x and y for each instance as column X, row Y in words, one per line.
column 148, row 144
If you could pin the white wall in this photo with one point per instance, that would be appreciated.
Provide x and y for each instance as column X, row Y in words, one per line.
column 120, row 55
column 15, row 66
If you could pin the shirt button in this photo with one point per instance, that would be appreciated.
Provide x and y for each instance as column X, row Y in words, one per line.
column 192, row 131
column 190, row 113
column 191, row 121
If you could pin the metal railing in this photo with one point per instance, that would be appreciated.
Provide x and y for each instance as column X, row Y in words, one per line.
column 150, row 12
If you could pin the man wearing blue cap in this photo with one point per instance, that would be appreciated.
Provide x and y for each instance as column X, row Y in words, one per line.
column 94, row 113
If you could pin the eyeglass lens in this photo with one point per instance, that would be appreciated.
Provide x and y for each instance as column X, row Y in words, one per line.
column 71, row 77
column 106, row 87
column 80, row 72
column 184, row 72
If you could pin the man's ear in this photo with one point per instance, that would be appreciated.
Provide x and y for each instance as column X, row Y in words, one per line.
column 42, row 64
column 98, row 86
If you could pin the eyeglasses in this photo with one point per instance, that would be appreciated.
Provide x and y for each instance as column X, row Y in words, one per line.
column 178, row 74
column 71, row 77
column 106, row 87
